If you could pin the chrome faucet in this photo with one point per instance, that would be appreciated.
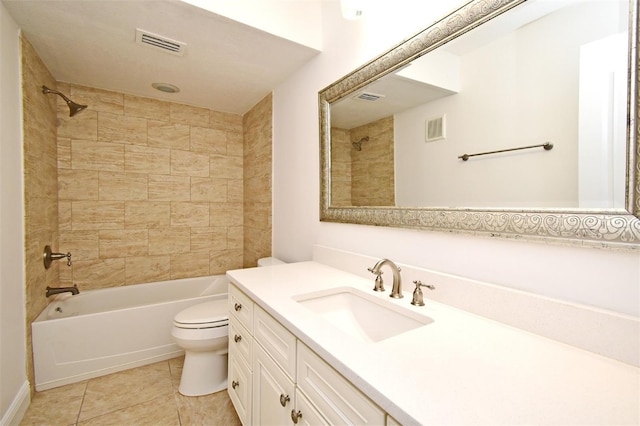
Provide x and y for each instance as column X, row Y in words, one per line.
column 396, row 291
column 57, row 290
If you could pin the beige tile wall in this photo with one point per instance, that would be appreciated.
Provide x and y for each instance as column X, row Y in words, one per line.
column 257, row 125
column 40, row 185
column 365, row 177
column 148, row 190
column 340, row 167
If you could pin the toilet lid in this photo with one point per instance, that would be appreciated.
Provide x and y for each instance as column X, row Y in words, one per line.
column 214, row 313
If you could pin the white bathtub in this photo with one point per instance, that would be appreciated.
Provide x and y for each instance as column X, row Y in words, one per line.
column 99, row 332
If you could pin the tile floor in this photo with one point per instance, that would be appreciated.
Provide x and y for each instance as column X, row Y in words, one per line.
column 145, row 395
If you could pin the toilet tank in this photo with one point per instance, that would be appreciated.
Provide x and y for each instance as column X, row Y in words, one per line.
column 269, row 261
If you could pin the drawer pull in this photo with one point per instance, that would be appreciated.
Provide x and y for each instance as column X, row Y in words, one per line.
column 284, row 399
column 237, row 338
column 234, row 384
column 295, row 416
column 237, row 307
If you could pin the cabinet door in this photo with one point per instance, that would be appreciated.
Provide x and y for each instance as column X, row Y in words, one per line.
column 334, row 396
column 305, row 413
column 239, row 387
column 272, row 391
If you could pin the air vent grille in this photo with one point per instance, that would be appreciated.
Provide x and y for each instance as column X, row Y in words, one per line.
column 159, row 42
column 435, row 128
column 367, row 96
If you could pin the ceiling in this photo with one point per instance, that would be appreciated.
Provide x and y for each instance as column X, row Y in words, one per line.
column 226, row 66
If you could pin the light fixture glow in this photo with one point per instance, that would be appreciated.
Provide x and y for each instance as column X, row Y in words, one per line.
column 166, row 87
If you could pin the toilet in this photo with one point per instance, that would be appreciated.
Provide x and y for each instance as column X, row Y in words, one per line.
column 202, row 331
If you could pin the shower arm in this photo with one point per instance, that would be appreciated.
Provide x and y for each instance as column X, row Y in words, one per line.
column 46, row 91
column 74, row 107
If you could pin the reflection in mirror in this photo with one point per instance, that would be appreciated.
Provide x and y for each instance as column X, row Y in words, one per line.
column 548, row 71
column 494, row 76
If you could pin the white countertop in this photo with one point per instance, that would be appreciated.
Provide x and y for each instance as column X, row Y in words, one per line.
column 462, row 369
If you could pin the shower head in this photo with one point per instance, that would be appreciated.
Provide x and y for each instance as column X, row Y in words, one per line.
column 74, row 108
column 358, row 145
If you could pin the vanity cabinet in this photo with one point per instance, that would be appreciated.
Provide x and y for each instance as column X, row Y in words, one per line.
column 276, row 379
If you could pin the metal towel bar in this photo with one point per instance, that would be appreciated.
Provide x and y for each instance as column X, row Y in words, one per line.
column 547, row 146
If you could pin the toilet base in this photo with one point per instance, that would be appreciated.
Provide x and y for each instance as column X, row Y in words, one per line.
column 203, row 373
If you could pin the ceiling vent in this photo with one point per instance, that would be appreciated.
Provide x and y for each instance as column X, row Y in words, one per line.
column 160, row 42
column 368, row 96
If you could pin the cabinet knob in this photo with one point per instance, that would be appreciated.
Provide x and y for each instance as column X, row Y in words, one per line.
column 284, row 399
column 295, row 416
column 234, row 384
column 237, row 338
column 237, row 307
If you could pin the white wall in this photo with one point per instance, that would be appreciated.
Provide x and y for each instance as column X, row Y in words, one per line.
column 533, row 99
column 603, row 278
column 14, row 390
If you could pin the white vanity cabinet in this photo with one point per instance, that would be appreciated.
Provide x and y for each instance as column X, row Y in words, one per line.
column 274, row 379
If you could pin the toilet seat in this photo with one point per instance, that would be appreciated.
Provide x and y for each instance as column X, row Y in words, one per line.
column 212, row 314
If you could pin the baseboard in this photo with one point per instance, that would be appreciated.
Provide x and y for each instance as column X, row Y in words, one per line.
column 14, row 414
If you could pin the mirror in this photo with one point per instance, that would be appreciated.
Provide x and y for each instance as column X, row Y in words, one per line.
column 515, row 119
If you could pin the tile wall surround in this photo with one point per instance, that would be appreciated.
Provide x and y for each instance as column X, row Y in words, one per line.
column 40, row 185
column 151, row 190
column 365, row 177
column 603, row 332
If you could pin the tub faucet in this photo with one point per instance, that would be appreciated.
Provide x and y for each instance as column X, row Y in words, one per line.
column 396, row 291
column 57, row 290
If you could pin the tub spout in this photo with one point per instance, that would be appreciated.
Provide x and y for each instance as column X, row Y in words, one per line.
column 57, row 290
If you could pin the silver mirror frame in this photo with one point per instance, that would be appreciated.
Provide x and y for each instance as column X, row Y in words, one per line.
column 618, row 228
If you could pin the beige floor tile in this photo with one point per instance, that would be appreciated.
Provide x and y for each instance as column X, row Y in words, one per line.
column 208, row 410
column 175, row 366
column 59, row 406
column 124, row 389
column 157, row 412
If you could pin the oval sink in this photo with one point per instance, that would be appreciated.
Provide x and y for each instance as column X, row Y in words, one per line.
column 361, row 315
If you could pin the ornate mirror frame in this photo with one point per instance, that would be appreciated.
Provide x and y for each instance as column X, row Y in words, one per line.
column 619, row 228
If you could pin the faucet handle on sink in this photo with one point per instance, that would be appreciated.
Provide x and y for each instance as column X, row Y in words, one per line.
column 379, row 283
column 418, row 299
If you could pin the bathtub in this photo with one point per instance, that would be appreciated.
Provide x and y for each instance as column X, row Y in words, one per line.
column 99, row 332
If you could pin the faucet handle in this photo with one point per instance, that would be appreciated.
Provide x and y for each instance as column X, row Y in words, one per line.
column 379, row 283
column 418, row 299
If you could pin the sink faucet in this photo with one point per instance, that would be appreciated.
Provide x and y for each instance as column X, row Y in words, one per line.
column 396, row 291
column 57, row 290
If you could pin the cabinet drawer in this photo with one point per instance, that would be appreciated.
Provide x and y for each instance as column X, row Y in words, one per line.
column 239, row 387
column 241, row 307
column 335, row 397
column 240, row 339
column 276, row 340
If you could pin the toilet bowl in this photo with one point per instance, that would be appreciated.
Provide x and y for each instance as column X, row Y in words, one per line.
column 202, row 331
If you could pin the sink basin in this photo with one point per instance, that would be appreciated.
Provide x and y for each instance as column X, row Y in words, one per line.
column 361, row 315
